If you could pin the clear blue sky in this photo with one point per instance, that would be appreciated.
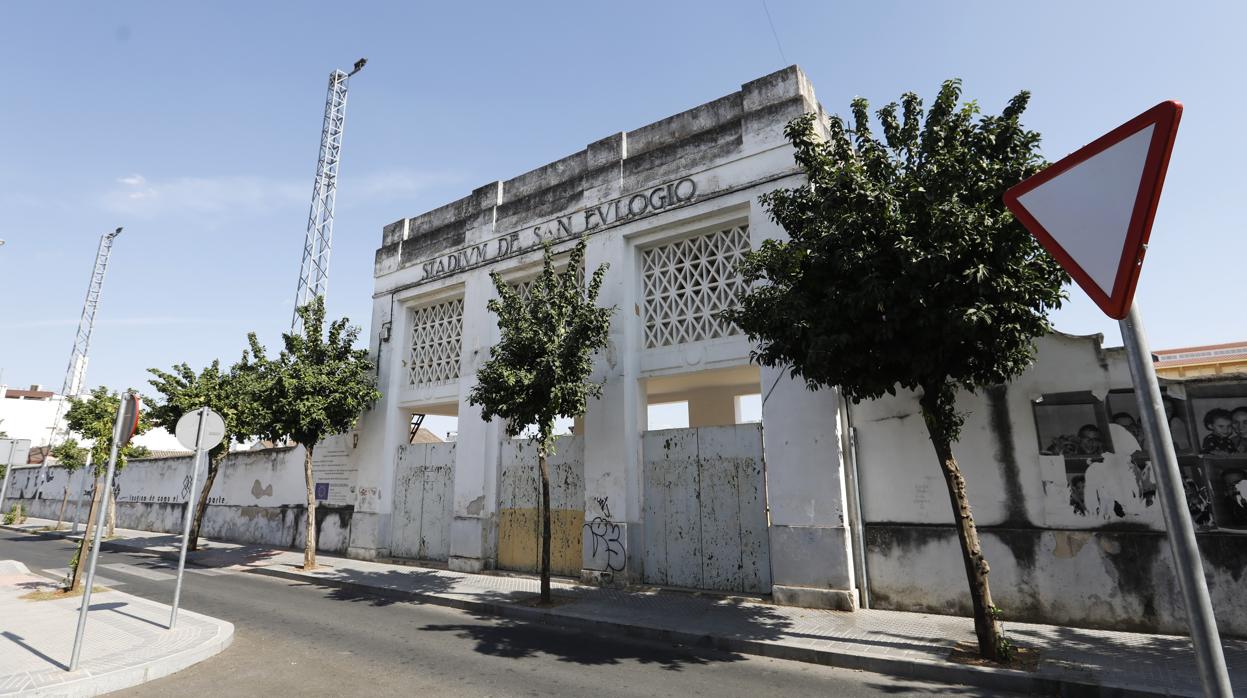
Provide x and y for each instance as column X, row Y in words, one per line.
column 196, row 126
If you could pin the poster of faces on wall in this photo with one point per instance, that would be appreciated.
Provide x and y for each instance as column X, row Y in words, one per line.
column 1221, row 425
column 1072, row 425
column 1123, row 410
column 1199, row 496
column 1208, row 423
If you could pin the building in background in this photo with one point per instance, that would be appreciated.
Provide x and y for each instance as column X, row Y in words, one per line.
column 1210, row 360
column 27, row 413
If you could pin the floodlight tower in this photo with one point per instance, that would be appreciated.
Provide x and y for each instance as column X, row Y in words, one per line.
column 76, row 375
column 314, row 270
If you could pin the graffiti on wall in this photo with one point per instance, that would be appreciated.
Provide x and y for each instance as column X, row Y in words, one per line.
column 607, row 550
column 1108, row 476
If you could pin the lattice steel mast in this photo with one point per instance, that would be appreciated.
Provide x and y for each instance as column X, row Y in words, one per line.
column 314, row 270
column 76, row 375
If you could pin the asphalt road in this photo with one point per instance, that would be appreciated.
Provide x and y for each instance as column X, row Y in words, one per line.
column 293, row 638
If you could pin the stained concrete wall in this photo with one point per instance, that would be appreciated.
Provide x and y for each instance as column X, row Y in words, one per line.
column 519, row 514
column 1091, row 554
column 258, row 497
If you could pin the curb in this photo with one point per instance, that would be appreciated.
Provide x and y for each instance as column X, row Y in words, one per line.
column 996, row 679
column 129, row 677
column 92, row 682
column 904, row 667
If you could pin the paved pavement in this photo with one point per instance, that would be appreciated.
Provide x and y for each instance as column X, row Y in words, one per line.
column 905, row 644
column 127, row 641
column 296, row 638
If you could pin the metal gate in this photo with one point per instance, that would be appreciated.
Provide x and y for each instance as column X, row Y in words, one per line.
column 519, row 512
column 705, row 509
column 423, row 501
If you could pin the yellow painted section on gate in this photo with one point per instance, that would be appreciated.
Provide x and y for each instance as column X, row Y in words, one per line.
column 519, row 540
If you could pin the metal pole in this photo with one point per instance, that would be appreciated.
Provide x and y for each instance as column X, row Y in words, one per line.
column 82, row 475
column 1209, row 656
column 99, row 533
column 190, row 506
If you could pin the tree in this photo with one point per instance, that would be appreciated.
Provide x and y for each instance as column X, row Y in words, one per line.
column 316, row 387
column 539, row 369
column 183, row 391
column 93, row 419
column 904, row 270
column 70, row 456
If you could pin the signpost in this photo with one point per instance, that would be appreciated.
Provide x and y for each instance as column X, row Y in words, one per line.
column 16, row 452
column 124, row 426
column 1093, row 211
column 200, row 431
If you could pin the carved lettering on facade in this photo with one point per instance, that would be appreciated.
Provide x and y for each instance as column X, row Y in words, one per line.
column 572, row 225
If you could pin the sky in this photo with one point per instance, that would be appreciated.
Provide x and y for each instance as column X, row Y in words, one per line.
column 196, row 126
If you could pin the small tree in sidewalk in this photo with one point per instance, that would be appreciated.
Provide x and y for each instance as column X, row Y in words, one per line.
column 183, row 390
column 72, row 457
column 317, row 387
column 93, row 419
column 539, row 369
column 904, row 270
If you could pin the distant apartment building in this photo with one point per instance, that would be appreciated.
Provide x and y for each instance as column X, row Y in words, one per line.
column 1209, row 360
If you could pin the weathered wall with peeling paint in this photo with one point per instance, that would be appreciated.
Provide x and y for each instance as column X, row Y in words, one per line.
column 423, row 492
column 705, row 509
column 258, row 497
column 519, row 513
column 1074, row 540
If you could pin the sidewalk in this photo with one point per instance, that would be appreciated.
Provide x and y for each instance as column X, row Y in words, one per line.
column 1072, row 661
column 126, row 644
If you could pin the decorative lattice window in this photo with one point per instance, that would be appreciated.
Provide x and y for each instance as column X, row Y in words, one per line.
column 523, row 288
column 436, row 341
column 687, row 283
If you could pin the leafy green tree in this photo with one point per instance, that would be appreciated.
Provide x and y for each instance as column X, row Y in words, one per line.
column 93, row 419
column 183, row 390
column 318, row 386
column 539, row 369
column 904, row 270
column 71, row 456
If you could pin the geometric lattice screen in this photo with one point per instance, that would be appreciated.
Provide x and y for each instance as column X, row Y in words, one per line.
column 687, row 283
column 436, row 340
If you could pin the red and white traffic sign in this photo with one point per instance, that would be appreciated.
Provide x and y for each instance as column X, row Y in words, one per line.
column 1094, row 209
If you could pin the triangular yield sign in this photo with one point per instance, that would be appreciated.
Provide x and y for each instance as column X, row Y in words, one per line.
column 1093, row 210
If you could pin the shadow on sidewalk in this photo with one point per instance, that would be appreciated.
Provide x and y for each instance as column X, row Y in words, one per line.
column 116, row 606
column 21, row 642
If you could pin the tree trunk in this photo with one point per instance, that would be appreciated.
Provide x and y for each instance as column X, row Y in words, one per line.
column 309, row 543
column 214, row 464
column 112, row 513
column 545, row 526
column 938, row 410
column 75, row 581
column 60, row 515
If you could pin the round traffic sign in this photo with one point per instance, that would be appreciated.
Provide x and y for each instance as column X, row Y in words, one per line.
column 188, row 429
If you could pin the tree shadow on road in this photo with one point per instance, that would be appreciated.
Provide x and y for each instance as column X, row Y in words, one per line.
column 908, row 687
column 632, row 620
column 516, row 639
column 381, row 588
